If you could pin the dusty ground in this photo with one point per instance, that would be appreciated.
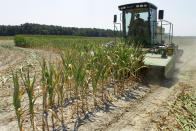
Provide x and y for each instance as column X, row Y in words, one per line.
column 12, row 59
column 139, row 112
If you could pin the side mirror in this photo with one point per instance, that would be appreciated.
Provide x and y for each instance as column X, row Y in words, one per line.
column 115, row 18
column 161, row 14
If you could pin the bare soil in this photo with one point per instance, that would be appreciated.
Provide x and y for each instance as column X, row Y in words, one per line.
column 140, row 111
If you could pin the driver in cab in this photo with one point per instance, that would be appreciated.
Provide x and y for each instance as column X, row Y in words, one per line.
column 138, row 26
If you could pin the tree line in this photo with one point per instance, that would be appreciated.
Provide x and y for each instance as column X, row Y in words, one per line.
column 38, row 29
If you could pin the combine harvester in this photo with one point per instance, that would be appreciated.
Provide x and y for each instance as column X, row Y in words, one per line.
column 140, row 24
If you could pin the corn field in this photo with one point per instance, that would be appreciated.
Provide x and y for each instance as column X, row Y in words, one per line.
column 78, row 84
column 59, row 42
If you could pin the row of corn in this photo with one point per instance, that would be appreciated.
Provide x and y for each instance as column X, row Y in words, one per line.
column 82, row 76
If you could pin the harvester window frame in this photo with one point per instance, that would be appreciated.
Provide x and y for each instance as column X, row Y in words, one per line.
column 153, row 26
column 133, row 13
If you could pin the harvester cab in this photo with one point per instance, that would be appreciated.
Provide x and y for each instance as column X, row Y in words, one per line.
column 140, row 25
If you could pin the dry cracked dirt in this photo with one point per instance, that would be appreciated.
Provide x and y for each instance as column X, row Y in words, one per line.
column 141, row 112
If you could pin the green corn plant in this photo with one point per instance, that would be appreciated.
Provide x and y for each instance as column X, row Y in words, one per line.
column 17, row 99
column 123, row 63
column 60, row 92
column 137, row 61
column 97, row 66
column 67, row 59
column 77, row 72
column 103, row 65
column 51, row 85
column 120, row 57
column 83, row 86
column 86, row 83
column 85, row 92
column 80, row 81
column 48, row 88
column 113, row 59
column 44, row 93
column 29, row 86
column 105, row 73
column 51, row 88
column 60, row 80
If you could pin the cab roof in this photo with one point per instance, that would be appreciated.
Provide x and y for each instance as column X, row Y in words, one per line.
column 137, row 5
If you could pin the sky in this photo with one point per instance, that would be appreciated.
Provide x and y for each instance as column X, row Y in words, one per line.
column 92, row 13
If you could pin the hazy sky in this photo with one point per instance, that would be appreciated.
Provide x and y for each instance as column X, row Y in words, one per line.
column 92, row 13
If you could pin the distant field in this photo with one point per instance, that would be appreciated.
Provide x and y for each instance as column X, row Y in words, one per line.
column 48, row 41
column 6, row 37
